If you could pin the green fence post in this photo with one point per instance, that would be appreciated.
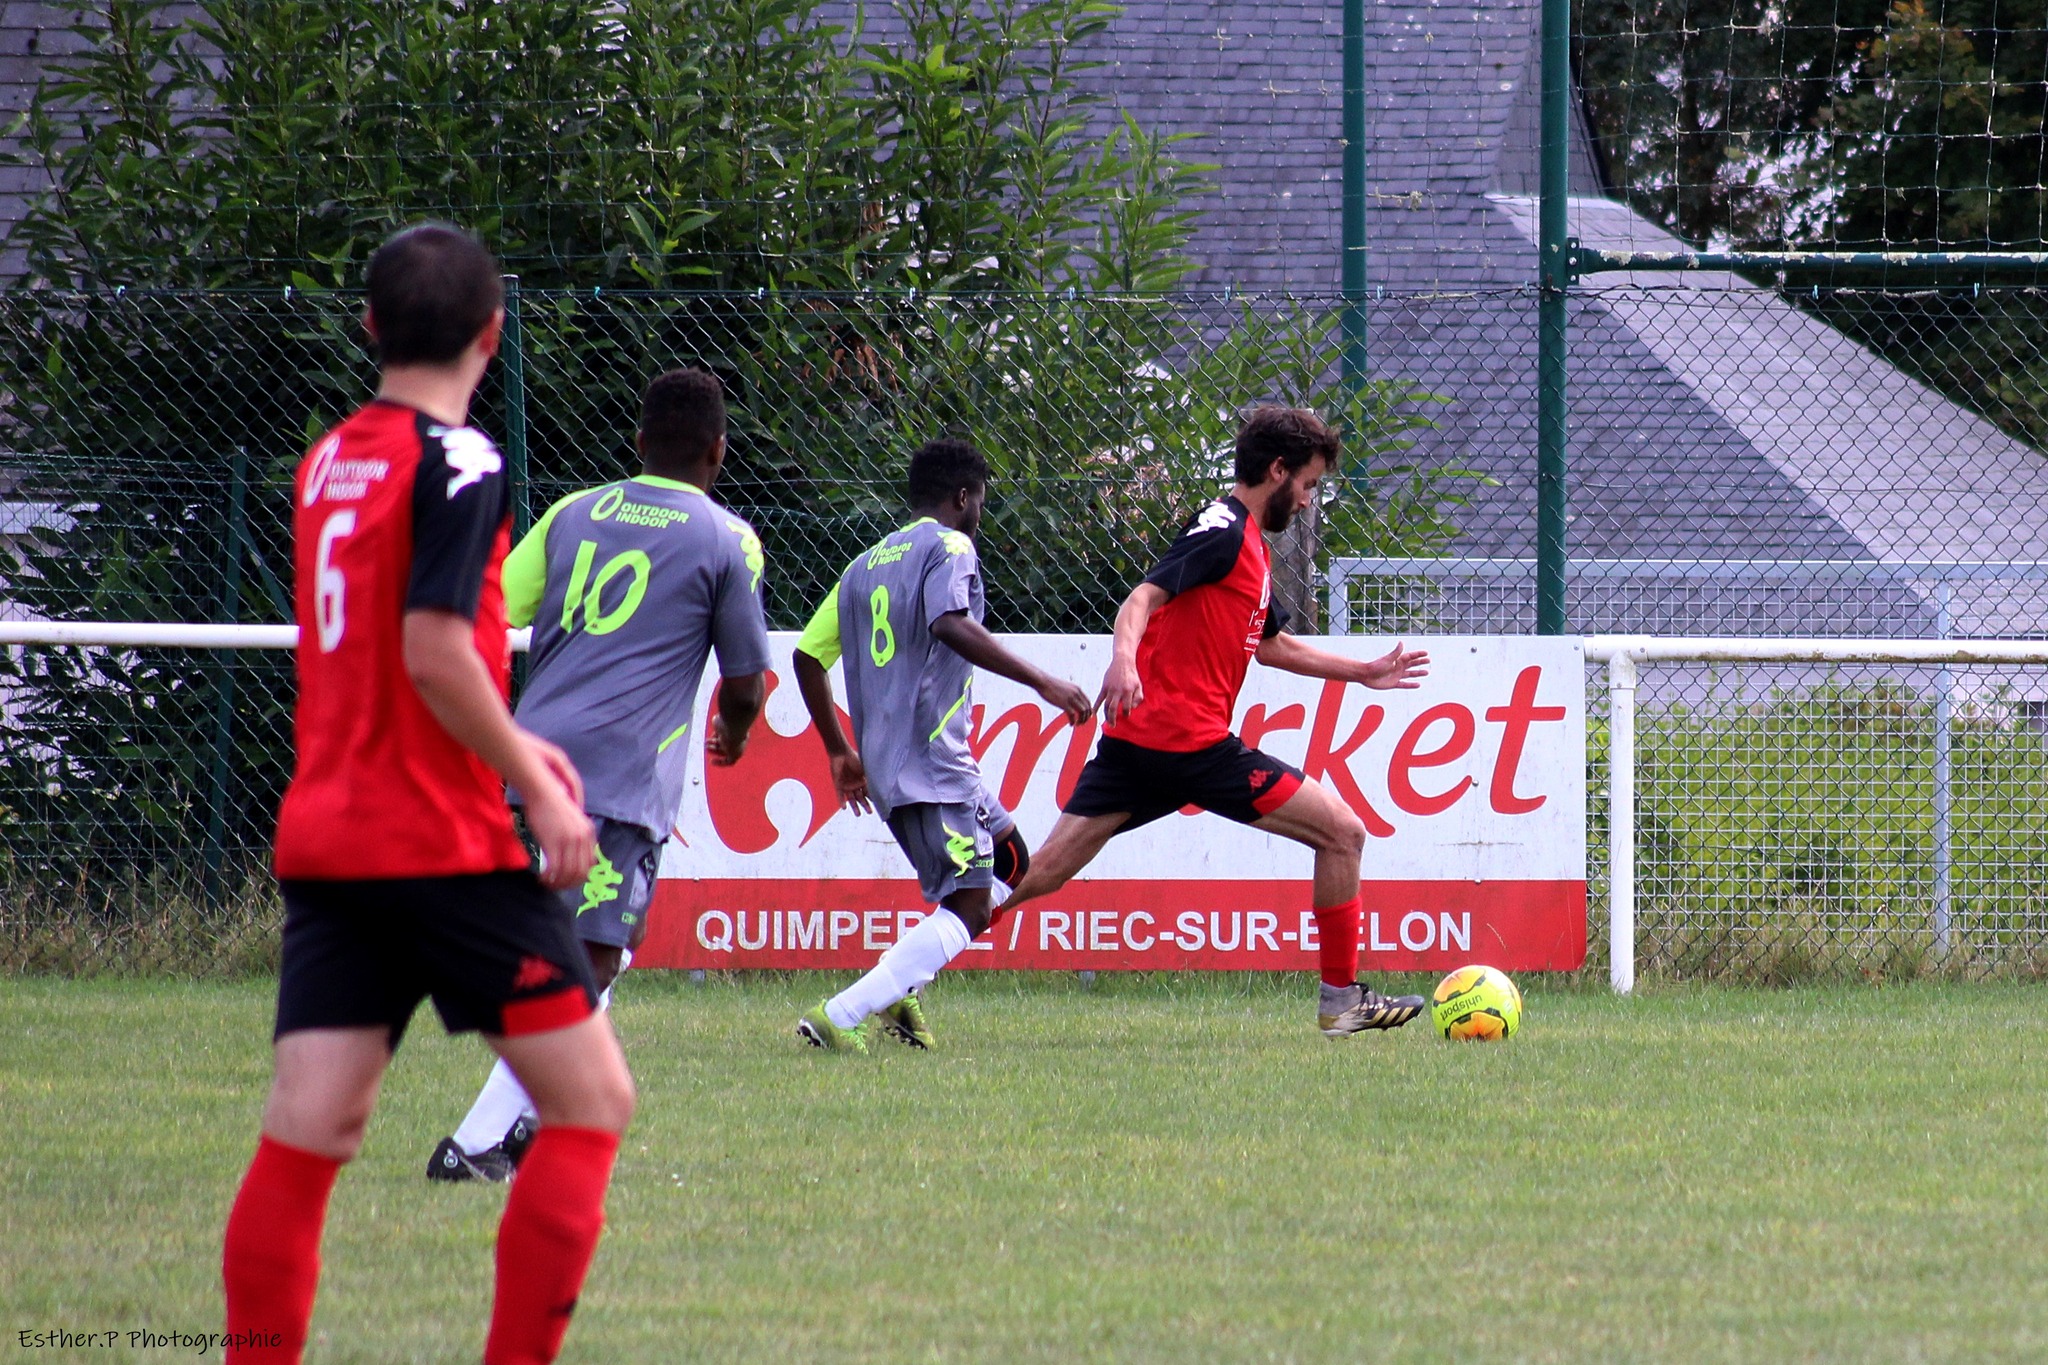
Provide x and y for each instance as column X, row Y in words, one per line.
column 513, row 354
column 1355, row 361
column 215, row 856
column 1554, row 267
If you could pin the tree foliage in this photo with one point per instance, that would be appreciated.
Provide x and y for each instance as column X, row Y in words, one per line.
column 709, row 143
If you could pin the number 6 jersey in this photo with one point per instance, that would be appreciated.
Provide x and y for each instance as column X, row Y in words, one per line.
column 392, row 511
column 910, row 697
column 630, row 586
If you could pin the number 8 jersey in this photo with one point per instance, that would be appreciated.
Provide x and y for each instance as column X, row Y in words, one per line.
column 392, row 512
column 910, row 697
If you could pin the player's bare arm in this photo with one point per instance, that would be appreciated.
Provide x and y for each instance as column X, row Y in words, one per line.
column 1398, row 669
column 1122, row 693
column 971, row 640
column 739, row 706
column 849, row 777
column 452, row 679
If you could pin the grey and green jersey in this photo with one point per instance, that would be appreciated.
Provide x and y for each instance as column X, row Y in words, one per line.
column 911, row 698
column 629, row 588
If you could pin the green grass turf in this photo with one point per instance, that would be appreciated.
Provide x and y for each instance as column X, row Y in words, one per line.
column 1158, row 1169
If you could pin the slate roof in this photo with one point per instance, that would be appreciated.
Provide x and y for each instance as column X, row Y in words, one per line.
column 30, row 32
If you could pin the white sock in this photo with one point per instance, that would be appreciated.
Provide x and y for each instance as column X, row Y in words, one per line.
column 917, row 957
column 497, row 1108
column 503, row 1099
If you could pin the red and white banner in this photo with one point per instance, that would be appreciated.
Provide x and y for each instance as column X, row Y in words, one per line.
column 1472, row 790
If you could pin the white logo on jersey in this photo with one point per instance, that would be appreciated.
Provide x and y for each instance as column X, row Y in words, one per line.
column 316, row 472
column 469, row 453
column 1215, row 517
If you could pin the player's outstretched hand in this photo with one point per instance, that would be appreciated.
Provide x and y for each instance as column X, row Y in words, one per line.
column 1070, row 700
column 1397, row 669
column 850, row 780
column 1122, row 693
column 721, row 746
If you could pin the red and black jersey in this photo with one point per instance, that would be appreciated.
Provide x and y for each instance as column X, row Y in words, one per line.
column 1198, row 645
column 392, row 511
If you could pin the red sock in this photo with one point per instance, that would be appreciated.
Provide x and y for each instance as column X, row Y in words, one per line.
column 546, row 1241
column 271, row 1260
column 1337, row 933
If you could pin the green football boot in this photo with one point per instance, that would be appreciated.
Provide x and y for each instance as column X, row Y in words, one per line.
column 905, row 1022
column 815, row 1027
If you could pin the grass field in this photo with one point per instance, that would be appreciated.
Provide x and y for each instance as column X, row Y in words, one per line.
column 1144, row 1170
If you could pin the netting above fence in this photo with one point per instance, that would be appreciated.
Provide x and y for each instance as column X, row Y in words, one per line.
column 1847, row 123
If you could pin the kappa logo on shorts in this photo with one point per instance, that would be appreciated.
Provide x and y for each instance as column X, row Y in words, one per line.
column 959, row 847
column 534, row 972
column 1262, row 778
column 603, row 884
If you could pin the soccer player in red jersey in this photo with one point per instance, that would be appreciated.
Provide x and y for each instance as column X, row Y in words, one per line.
column 402, row 874
column 1184, row 640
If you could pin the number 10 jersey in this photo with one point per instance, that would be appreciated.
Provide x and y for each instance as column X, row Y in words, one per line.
column 630, row 586
column 911, row 698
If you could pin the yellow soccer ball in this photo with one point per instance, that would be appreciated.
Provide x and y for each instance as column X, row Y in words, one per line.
column 1477, row 1004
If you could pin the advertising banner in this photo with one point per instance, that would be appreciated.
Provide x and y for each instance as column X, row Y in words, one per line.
column 1471, row 789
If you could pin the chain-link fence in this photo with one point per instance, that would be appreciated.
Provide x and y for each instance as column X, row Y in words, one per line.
column 1855, row 821
column 150, row 441
column 1746, row 460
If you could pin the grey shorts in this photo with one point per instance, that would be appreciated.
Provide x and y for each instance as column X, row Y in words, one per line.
column 611, row 905
column 952, row 846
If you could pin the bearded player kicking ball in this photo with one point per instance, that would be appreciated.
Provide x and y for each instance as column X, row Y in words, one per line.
column 1184, row 638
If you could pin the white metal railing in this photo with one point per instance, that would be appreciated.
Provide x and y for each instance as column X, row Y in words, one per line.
column 1932, row 582
column 137, row 634
column 1624, row 656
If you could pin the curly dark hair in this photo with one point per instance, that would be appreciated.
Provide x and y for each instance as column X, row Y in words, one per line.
column 941, row 468
column 682, row 415
column 1293, row 436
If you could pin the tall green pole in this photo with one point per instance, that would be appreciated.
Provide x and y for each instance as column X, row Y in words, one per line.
column 1354, row 361
column 514, row 351
column 1554, row 265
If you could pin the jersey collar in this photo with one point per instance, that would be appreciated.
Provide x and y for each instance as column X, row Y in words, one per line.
column 657, row 481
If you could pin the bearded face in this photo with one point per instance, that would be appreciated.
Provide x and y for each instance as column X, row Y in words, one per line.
column 1295, row 492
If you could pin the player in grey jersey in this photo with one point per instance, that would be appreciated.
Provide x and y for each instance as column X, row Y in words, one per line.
column 906, row 619
column 629, row 586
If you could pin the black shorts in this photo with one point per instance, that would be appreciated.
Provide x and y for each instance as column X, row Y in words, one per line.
column 1227, row 777
column 497, row 951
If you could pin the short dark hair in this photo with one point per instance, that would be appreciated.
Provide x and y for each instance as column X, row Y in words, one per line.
column 682, row 415
column 432, row 289
column 1293, row 436
column 941, row 468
